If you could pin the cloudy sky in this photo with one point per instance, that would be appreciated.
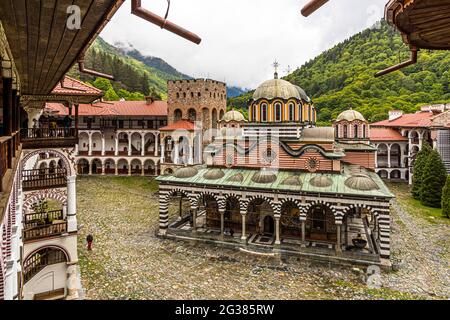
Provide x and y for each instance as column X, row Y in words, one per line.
column 242, row 38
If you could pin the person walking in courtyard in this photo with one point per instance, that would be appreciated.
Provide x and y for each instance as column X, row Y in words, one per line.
column 89, row 240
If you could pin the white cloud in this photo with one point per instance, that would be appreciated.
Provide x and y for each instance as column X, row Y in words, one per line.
column 242, row 38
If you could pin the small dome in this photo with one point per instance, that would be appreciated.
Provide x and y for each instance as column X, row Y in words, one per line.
column 361, row 182
column 185, row 172
column 238, row 177
column 264, row 176
column 350, row 115
column 321, row 182
column 233, row 115
column 276, row 88
column 214, row 174
column 292, row 181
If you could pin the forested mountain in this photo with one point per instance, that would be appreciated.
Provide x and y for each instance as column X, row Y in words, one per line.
column 343, row 77
column 134, row 78
column 136, row 75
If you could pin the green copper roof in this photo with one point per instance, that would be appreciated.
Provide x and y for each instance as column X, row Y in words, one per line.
column 338, row 185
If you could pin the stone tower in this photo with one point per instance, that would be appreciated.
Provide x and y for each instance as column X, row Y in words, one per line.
column 202, row 100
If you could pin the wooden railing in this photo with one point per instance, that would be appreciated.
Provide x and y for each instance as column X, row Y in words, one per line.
column 46, row 133
column 8, row 149
column 40, row 260
column 36, row 219
column 44, row 178
column 38, row 232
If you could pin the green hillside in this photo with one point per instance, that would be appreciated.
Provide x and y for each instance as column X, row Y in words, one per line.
column 134, row 78
column 343, row 77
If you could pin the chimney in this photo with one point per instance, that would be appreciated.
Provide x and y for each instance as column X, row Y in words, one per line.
column 149, row 100
column 395, row 114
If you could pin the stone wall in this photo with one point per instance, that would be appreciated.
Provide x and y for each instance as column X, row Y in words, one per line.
column 208, row 98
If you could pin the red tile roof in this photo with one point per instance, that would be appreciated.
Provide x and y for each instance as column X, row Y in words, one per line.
column 180, row 125
column 414, row 120
column 114, row 108
column 71, row 86
column 385, row 134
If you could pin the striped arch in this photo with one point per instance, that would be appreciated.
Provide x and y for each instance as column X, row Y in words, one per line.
column 196, row 202
column 224, row 199
column 311, row 204
column 294, row 201
column 68, row 161
column 55, row 247
column 34, row 197
column 275, row 206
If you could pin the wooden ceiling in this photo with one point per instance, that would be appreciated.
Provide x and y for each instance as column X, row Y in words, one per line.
column 424, row 24
column 43, row 48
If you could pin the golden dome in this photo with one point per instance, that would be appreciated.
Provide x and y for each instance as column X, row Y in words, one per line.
column 350, row 115
column 277, row 88
column 233, row 115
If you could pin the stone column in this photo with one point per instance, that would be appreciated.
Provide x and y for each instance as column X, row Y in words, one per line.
column 156, row 144
column 222, row 222
column 338, row 243
column 103, row 145
column 116, row 151
column 303, row 230
column 194, row 220
column 116, row 168
column 376, row 157
column 103, row 169
column 389, row 146
column 244, row 235
column 72, row 283
column 72, row 204
column 176, row 153
column 191, row 155
column 129, row 145
column 143, row 144
column 90, row 144
column 76, row 150
column 129, row 169
column 90, row 168
column 277, row 229
column 163, row 152
column 143, row 170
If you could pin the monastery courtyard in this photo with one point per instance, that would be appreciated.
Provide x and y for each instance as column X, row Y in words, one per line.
column 129, row 262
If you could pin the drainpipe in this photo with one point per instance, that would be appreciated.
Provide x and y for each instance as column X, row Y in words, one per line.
column 411, row 61
column 138, row 10
column 312, row 6
column 83, row 69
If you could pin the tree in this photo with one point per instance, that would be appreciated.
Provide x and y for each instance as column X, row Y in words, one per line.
column 446, row 199
column 433, row 180
column 418, row 170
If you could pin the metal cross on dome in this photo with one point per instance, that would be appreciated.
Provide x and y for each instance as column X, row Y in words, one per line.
column 276, row 65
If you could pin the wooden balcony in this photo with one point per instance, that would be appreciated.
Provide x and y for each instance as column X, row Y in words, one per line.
column 44, row 178
column 9, row 146
column 37, row 219
column 56, row 228
column 49, row 138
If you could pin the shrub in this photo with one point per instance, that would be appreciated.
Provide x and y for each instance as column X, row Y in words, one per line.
column 419, row 166
column 446, row 199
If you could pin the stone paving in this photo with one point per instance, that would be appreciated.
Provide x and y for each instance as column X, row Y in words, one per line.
column 129, row 262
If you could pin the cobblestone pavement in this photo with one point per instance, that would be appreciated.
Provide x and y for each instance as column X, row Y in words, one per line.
column 129, row 262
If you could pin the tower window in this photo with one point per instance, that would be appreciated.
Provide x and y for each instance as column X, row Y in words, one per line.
column 345, row 132
column 264, row 112
column 356, row 131
column 278, row 112
column 300, row 112
column 291, row 112
column 254, row 108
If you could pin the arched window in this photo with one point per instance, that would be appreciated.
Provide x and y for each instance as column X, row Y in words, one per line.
column 178, row 114
column 336, row 131
column 278, row 112
column 264, row 112
column 254, row 108
column 300, row 112
column 291, row 112
column 345, row 132
column 356, row 128
column 364, row 131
